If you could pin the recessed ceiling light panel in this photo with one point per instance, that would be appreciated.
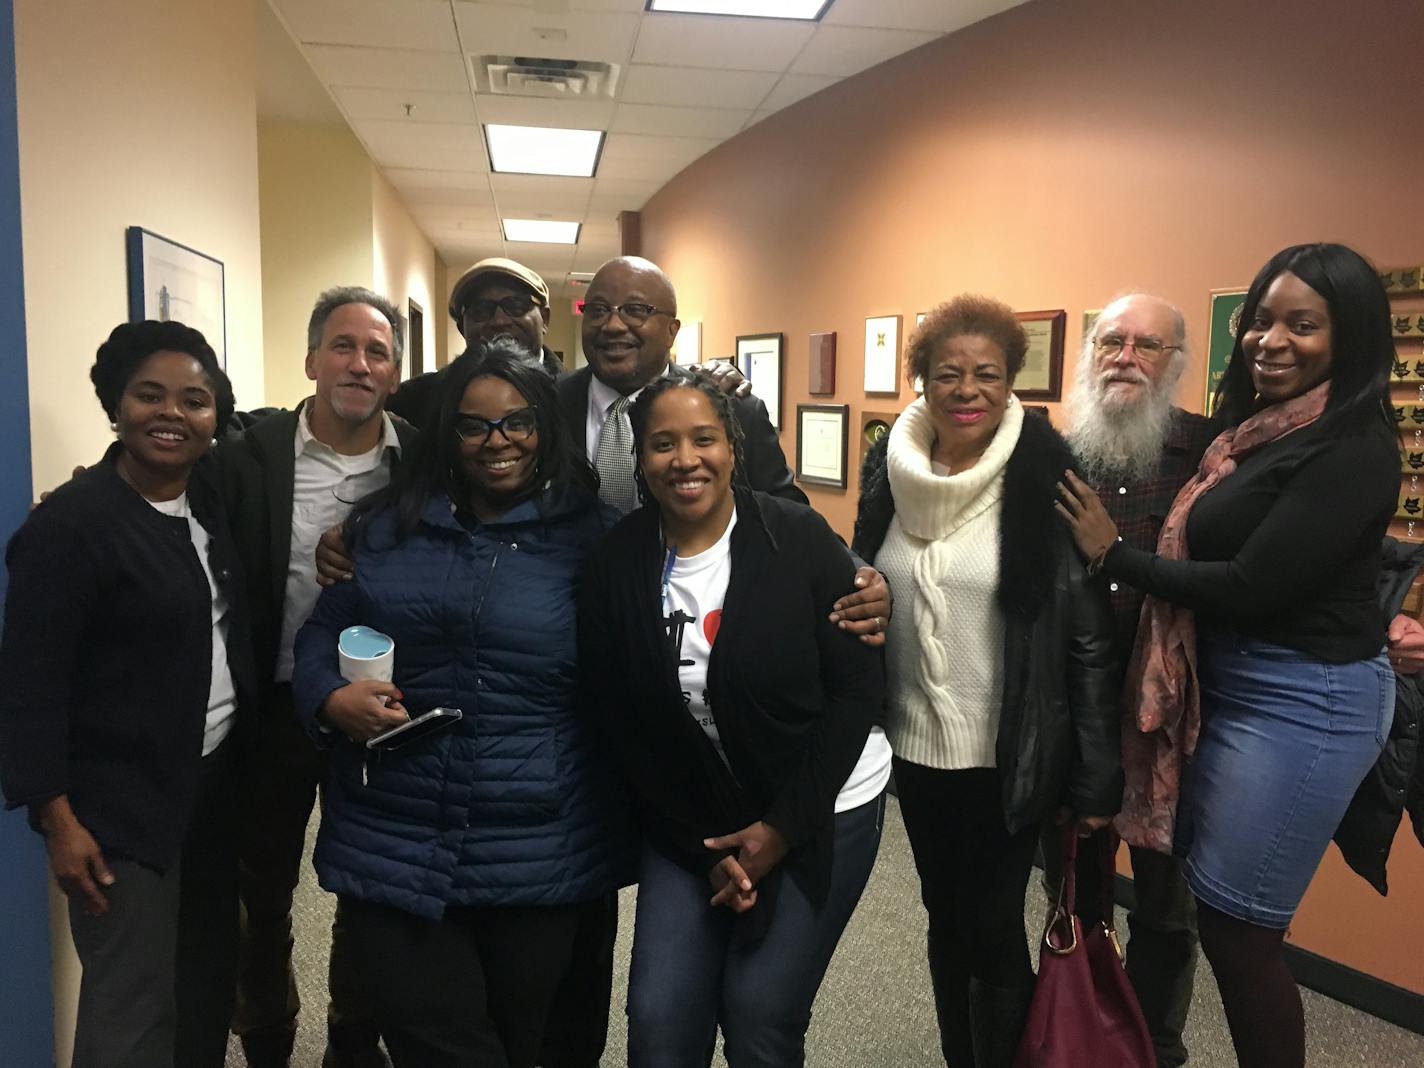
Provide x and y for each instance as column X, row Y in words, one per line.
column 543, row 150
column 548, row 231
column 806, row 10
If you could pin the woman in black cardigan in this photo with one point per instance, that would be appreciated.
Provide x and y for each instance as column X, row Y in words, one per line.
column 125, row 661
column 744, row 722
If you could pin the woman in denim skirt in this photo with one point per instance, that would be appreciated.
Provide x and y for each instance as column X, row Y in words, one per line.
column 1258, row 683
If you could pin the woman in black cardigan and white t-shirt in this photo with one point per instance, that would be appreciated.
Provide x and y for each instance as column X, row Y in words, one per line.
column 744, row 721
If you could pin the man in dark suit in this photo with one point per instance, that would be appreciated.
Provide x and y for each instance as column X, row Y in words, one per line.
column 629, row 323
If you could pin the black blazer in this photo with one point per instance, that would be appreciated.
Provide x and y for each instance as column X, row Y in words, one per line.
column 107, row 658
column 794, row 698
column 258, row 472
column 766, row 463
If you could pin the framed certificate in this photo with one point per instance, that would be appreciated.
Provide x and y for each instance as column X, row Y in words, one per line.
column 882, row 355
column 821, row 440
column 1041, row 377
column 759, row 359
column 1221, row 338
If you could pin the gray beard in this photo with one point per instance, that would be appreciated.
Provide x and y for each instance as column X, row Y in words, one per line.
column 1122, row 443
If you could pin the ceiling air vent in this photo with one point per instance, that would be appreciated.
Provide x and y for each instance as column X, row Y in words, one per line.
column 556, row 79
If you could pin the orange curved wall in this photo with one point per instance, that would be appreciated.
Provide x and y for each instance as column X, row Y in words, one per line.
column 1054, row 156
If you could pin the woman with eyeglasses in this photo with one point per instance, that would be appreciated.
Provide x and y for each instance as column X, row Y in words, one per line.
column 743, row 719
column 126, row 663
column 1260, row 655
column 462, row 859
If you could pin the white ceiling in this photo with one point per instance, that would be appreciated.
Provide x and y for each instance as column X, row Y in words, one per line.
column 687, row 83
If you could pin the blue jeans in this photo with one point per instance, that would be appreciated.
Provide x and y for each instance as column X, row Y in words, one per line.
column 695, row 967
column 1285, row 741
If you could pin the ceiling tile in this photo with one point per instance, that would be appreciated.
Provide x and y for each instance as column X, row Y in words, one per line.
column 719, row 123
column 528, row 111
column 443, row 197
column 388, row 68
column 942, row 15
column 423, row 145
column 721, row 43
column 422, row 24
column 756, row 118
column 794, row 87
column 693, row 87
column 411, row 178
column 390, row 104
column 527, row 205
column 496, row 29
column 541, row 185
column 644, row 147
column 594, row 256
column 574, row 5
column 847, row 50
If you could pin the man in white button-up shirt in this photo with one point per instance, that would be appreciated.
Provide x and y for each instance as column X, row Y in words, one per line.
column 290, row 476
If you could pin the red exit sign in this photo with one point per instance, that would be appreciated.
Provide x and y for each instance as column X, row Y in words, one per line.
column 578, row 305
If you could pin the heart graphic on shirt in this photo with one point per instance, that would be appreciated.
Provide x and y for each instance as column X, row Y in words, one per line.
column 711, row 623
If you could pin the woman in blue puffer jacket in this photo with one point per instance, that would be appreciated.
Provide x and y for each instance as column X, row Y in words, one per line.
column 462, row 859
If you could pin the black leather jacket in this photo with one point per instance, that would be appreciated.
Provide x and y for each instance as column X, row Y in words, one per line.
column 1059, row 729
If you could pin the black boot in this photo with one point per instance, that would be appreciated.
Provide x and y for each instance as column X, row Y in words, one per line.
column 270, row 1047
column 997, row 1015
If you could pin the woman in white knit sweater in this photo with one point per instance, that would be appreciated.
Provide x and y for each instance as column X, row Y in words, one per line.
column 1002, row 673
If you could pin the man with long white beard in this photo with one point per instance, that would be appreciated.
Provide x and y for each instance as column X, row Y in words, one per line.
column 1137, row 449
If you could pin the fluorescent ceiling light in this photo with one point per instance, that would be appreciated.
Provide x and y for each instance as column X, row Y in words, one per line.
column 808, row 10
column 545, row 230
column 543, row 150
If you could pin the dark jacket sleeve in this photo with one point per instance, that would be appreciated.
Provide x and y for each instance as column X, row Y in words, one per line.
column 853, row 681
column 1278, row 565
column 54, row 586
column 766, row 463
column 1094, row 684
column 316, row 669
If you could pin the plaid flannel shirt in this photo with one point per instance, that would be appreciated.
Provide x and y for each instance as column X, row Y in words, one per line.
column 1140, row 508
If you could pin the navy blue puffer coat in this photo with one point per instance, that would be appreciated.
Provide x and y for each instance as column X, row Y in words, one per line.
column 513, row 806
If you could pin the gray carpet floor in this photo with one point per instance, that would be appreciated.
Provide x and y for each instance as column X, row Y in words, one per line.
column 875, row 1009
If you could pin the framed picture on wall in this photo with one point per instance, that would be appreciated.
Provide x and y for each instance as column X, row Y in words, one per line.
column 688, row 347
column 882, row 355
column 1220, row 338
column 170, row 281
column 873, row 427
column 822, row 375
column 821, row 440
column 759, row 359
column 1042, row 375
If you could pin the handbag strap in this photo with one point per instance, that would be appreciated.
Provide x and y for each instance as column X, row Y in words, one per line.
column 1062, row 915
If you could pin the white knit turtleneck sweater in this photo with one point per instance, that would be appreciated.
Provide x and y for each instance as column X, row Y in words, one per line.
column 945, row 645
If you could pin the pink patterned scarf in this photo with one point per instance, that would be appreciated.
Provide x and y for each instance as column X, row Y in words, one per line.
column 1161, row 702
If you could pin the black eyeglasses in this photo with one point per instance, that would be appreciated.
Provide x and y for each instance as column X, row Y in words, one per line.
column 634, row 313
column 1149, row 348
column 518, row 425
column 514, row 305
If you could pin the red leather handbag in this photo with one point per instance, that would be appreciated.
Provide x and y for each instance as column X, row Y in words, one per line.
column 1084, row 1013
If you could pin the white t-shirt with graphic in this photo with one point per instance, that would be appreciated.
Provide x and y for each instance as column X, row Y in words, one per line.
column 695, row 587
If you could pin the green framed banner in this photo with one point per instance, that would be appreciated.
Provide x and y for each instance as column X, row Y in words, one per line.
column 1221, row 338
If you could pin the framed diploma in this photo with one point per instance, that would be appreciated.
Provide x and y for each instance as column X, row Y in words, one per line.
column 688, row 346
column 882, row 355
column 1221, row 338
column 1041, row 377
column 821, row 440
column 759, row 359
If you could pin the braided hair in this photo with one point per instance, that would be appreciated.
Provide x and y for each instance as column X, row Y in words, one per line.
column 722, row 404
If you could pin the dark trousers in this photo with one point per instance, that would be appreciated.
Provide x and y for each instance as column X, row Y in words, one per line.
column 280, row 788
column 577, row 1030
column 159, row 966
column 973, row 876
column 756, row 975
column 1162, row 940
column 471, row 990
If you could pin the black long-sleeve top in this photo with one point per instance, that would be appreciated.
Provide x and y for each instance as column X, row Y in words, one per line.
column 107, row 659
column 1286, row 549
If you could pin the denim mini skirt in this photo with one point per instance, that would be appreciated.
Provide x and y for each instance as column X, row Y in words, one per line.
column 1285, row 741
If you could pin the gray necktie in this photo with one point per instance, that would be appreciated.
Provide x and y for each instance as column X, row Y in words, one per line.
column 615, row 458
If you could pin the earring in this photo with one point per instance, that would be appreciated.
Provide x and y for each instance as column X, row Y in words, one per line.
column 114, row 425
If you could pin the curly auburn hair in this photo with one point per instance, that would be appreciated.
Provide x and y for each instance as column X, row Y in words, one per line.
column 968, row 313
